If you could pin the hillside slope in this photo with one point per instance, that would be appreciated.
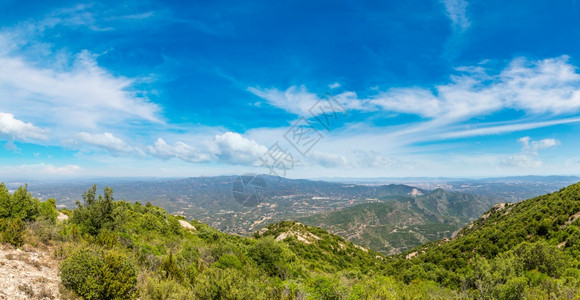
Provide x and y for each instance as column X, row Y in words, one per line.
column 402, row 223
column 530, row 249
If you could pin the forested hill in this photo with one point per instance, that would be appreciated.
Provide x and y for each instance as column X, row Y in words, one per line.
column 109, row 249
column 403, row 222
column 530, row 248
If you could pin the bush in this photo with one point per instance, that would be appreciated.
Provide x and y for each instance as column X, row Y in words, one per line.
column 81, row 272
column 119, row 277
column 93, row 277
column 228, row 261
column 47, row 210
column 273, row 257
column 12, row 232
column 170, row 269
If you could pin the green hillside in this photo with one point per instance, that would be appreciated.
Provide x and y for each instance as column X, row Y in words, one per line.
column 530, row 248
column 397, row 225
column 111, row 249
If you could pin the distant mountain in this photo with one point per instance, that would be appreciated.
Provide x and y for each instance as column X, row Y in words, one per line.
column 404, row 222
column 508, row 189
column 210, row 199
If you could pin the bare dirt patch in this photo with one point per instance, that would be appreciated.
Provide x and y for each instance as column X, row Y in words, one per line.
column 30, row 274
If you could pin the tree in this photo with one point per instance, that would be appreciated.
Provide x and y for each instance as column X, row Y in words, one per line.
column 170, row 269
column 20, row 204
column 95, row 213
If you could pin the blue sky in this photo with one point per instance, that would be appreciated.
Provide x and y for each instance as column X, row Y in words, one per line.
column 417, row 88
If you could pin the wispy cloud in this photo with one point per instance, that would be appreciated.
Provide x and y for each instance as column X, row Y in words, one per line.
column 504, row 128
column 32, row 170
column 547, row 89
column 107, row 141
column 179, row 150
column 456, row 10
column 528, row 157
column 70, row 93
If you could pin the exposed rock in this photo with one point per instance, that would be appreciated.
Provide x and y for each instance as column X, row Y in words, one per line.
column 28, row 274
column 186, row 225
column 61, row 217
column 304, row 237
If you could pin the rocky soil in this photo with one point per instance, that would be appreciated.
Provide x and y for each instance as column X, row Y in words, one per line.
column 28, row 274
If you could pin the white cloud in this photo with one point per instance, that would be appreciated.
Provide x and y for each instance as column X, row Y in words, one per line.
column 328, row 160
column 63, row 170
column 296, row 100
column 17, row 129
column 503, row 128
column 334, row 85
column 178, row 150
column 409, row 100
column 299, row 101
column 532, row 147
column 521, row 161
column 529, row 157
column 84, row 96
column 376, row 160
column 549, row 87
column 457, row 12
column 32, row 170
column 69, row 92
column 233, row 148
column 106, row 141
column 230, row 148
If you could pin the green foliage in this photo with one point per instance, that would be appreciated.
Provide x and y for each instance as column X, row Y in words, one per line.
column 525, row 250
column 12, row 231
column 228, row 261
column 226, row 284
column 271, row 256
column 94, row 277
column 81, row 272
column 95, row 213
column 170, row 269
column 47, row 210
column 19, row 205
column 119, row 277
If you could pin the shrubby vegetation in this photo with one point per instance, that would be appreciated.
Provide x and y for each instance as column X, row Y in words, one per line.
column 20, row 207
column 119, row 250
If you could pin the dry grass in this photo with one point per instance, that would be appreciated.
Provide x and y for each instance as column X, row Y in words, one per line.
column 44, row 294
column 27, row 290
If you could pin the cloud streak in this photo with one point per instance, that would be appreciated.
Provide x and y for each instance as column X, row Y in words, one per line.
column 456, row 10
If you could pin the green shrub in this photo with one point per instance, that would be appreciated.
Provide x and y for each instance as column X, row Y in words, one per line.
column 47, row 210
column 170, row 269
column 119, row 277
column 93, row 277
column 272, row 256
column 12, row 232
column 228, row 261
column 19, row 205
column 81, row 272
